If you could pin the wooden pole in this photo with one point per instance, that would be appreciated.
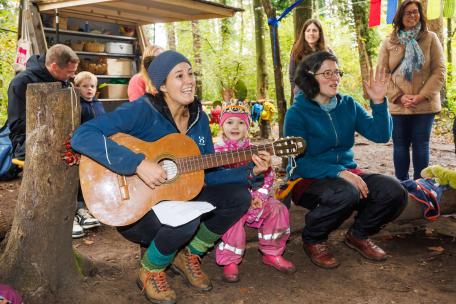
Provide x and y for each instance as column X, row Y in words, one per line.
column 38, row 259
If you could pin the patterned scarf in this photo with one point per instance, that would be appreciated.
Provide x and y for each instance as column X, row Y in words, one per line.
column 413, row 58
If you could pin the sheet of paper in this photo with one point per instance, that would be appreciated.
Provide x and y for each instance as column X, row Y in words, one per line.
column 177, row 213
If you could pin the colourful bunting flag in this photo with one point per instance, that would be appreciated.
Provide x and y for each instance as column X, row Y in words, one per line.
column 375, row 12
column 448, row 8
column 433, row 9
column 391, row 11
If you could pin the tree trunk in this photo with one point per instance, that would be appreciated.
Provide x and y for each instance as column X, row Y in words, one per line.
column 225, row 28
column 436, row 26
column 278, row 77
column 38, row 259
column 171, row 33
column 361, row 27
column 302, row 13
column 262, row 74
column 198, row 66
column 449, row 50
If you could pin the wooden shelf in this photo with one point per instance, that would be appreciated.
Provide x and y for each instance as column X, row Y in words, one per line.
column 93, row 35
column 113, row 76
column 104, row 54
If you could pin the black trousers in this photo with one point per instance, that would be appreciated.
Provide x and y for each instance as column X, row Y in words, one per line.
column 332, row 201
column 231, row 202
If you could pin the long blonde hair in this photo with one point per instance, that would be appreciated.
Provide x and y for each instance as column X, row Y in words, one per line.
column 150, row 52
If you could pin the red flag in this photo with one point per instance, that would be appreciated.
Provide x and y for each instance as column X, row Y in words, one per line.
column 375, row 12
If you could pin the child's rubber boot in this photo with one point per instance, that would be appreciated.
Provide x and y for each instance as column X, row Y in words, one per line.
column 279, row 263
column 231, row 273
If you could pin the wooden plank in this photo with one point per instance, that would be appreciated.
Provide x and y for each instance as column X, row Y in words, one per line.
column 118, row 14
column 147, row 10
column 142, row 40
column 64, row 4
column 35, row 29
column 95, row 17
column 205, row 7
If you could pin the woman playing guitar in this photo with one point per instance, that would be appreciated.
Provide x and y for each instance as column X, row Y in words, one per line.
column 174, row 109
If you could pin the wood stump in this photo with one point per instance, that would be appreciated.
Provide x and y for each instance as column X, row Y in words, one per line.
column 38, row 259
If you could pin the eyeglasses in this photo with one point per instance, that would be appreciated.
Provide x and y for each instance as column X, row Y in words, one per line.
column 412, row 13
column 328, row 74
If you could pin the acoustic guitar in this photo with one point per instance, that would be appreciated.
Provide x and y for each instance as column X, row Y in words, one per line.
column 120, row 200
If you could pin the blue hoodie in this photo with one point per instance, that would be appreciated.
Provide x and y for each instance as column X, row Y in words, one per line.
column 149, row 119
column 330, row 135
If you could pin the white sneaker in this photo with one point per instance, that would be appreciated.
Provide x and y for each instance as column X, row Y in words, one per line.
column 86, row 220
column 77, row 229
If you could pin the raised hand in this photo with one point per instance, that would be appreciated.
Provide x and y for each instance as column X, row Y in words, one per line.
column 377, row 86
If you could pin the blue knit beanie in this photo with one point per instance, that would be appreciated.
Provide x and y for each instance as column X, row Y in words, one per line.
column 163, row 64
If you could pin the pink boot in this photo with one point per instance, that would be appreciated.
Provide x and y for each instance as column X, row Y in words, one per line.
column 279, row 263
column 231, row 273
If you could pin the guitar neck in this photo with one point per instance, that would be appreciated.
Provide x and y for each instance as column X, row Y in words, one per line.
column 207, row 161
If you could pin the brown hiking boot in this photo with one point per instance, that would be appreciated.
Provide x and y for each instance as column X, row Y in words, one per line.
column 155, row 287
column 189, row 266
column 319, row 255
column 366, row 248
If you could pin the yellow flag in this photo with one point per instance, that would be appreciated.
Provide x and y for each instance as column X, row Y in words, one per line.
column 434, row 9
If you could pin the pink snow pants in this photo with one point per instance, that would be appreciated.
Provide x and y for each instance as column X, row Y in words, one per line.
column 273, row 224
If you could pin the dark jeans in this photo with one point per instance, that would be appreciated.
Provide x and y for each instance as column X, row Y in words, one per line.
column 414, row 130
column 231, row 202
column 332, row 201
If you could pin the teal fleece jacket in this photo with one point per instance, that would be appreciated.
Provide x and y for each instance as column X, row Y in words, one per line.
column 330, row 135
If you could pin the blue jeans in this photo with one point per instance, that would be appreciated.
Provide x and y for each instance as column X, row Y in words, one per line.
column 414, row 130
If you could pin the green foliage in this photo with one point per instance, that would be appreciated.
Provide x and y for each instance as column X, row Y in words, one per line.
column 240, row 90
column 8, row 26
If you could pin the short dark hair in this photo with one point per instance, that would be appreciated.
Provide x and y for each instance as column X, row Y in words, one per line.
column 62, row 55
column 397, row 21
column 304, row 77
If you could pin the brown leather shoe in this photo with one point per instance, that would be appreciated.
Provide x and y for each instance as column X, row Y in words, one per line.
column 155, row 287
column 320, row 255
column 189, row 266
column 366, row 247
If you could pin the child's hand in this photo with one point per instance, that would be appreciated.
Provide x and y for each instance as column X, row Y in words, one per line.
column 262, row 162
column 256, row 203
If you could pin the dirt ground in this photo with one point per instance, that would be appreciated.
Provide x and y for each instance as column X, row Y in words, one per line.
column 421, row 267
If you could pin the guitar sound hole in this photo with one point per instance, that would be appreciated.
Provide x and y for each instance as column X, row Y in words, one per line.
column 170, row 167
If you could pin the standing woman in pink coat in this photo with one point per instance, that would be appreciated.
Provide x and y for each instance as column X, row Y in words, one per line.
column 414, row 57
column 140, row 83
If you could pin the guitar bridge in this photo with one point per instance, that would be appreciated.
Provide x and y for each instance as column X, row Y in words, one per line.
column 123, row 187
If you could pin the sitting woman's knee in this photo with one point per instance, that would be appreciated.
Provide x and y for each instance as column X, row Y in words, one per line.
column 189, row 229
column 342, row 194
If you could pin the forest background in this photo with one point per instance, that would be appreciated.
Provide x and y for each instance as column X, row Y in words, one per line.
column 234, row 55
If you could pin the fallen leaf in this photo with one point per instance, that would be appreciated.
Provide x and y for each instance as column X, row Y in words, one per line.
column 87, row 242
column 436, row 249
column 243, row 290
column 428, row 231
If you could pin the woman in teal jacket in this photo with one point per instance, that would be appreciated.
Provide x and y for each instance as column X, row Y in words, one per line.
column 332, row 186
column 174, row 109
